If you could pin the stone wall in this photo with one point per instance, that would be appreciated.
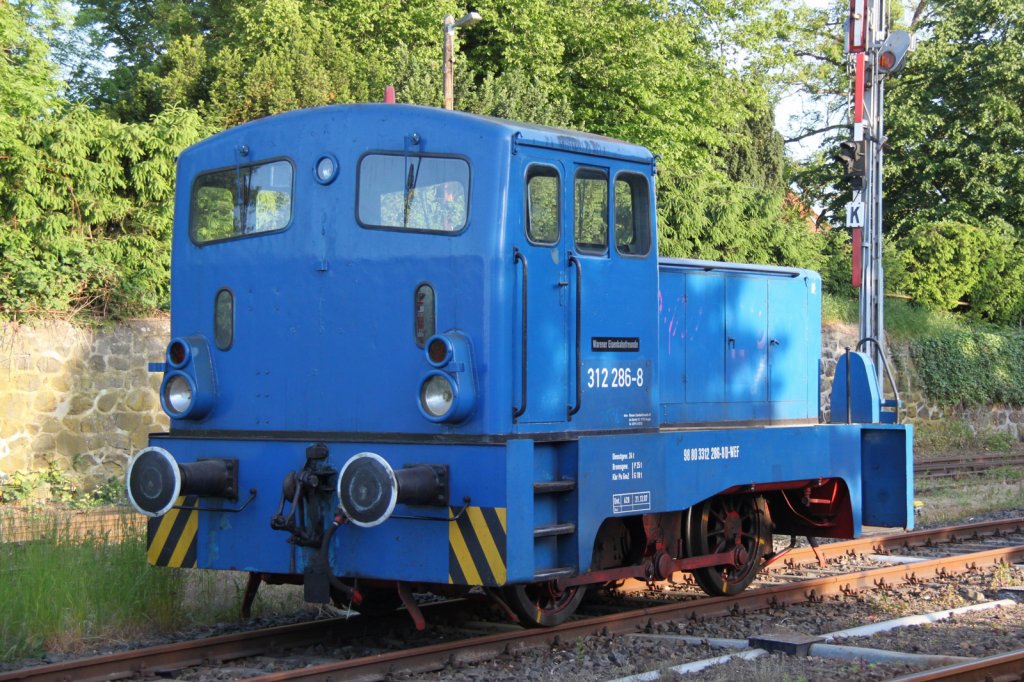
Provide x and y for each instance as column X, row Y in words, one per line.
column 917, row 408
column 83, row 398
column 79, row 397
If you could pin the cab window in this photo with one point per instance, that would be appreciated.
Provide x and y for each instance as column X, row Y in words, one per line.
column 543, row 190
column 413, row 192
column 241, row 201
column 591, row 210
column 632, row 215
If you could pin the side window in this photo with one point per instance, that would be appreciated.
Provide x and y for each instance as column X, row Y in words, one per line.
column 224, row 319
column 632, row 215
column 543, row 192
column 410, row 192
column 591, row 210
column 236, row 202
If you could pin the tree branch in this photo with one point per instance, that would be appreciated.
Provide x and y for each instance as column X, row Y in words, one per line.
column 820, row 58
column 918, row 11
column 811, row 133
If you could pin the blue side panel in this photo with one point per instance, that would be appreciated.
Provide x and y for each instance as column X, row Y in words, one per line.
column 743, row 341
column 705, row 339
column 746, row 328
column 673, row 335
column 787, row 346
column 888, row 471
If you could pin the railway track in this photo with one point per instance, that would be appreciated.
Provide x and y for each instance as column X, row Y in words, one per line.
column 169, row 659
column 1008, row 666
column 955, row 467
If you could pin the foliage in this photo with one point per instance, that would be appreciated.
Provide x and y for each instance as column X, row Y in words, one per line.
column 87, row 211
column 943, row 262
column 53, row 484
column 956, row 118
column 971, row 367
column 52, row 481
column 85, row 189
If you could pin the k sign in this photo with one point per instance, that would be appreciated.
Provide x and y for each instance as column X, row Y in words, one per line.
column 855, row 214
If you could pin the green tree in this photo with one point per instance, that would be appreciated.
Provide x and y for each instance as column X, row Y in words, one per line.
column 956, row 118
column 943, row 262
column 84, row 200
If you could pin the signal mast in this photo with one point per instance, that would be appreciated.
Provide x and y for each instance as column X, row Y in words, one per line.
column 874, row 52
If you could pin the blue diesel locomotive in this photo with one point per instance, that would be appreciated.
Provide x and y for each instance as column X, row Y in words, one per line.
column 414, row 347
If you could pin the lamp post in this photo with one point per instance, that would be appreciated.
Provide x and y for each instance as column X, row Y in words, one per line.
column 450, row 25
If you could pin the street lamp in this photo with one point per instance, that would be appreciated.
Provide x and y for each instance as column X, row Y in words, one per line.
column 449, row 53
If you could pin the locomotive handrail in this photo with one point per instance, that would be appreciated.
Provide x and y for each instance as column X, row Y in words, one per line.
column 517, row 257
column 449, row 519
column 252, row 496
column 574, row 262
column 885, row 367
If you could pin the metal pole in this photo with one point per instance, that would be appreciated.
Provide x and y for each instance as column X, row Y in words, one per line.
column 872, row 294
column 448, row 65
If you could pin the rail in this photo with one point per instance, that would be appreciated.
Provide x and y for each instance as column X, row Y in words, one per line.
column 431, row 658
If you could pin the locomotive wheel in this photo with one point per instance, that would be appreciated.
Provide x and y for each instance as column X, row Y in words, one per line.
column 543, row 605
column 724, row 524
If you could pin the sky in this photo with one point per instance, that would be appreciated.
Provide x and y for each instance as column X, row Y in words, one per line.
column 796, row 104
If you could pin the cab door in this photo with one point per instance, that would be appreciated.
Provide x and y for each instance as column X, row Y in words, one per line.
column 613, row 292
column 542, row 382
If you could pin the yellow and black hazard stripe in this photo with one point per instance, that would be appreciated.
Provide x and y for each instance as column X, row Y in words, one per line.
column 171, row 538
column 476, row 546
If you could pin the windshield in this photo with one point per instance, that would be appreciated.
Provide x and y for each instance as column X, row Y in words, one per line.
column 413, row 192
column 236, row 202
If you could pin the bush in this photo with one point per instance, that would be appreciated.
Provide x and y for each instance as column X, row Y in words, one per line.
column 971, row 367
column 942, row 261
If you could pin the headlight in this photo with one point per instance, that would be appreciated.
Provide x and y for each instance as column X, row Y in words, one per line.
column 188, row 389
column 437, row 395
column 448, row 392
column 177, row 395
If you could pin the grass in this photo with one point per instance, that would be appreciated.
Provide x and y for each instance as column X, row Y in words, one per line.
column 933, row 438
column 838, row 309
column 59, row 592
column 65, row 593
column 947, row 499
column 903, row 320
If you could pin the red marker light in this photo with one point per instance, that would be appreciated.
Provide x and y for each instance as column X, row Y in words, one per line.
column 437, row 351
column 177, row 353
